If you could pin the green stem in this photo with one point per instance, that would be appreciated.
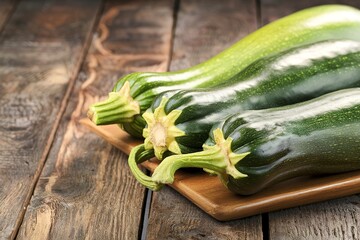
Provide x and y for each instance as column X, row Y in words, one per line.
column 137, row 155
column 211, row 159
column 120, row 107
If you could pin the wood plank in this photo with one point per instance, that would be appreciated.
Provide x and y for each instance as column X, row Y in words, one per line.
column 174, row 217
column 336, row 219
column 6, row 8
column 204, row 28
column 41, row 49
column 86, row 190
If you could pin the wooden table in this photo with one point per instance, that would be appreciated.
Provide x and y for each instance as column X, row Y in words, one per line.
column 60, row 181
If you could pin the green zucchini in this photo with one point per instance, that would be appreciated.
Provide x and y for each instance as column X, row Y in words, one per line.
column 259, row 148
column 134, row 93
column 180, row 122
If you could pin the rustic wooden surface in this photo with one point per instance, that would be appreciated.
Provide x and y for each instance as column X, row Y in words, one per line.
column 59, row 181
column 39, row 60
column 86, row 181
column 174, row 217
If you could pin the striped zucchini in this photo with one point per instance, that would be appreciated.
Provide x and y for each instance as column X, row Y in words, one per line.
column 259, row 148
column 134, row 93
column 180, row 123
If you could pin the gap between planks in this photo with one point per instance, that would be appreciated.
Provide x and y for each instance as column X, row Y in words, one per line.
column 148, row 193
column 145, row 214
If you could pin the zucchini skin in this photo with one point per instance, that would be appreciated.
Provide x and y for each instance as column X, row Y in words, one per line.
column 320, row 136
column 306, row 26
column 296, row 75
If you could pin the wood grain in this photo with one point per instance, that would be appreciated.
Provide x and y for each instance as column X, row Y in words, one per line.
column 178, row 218
column 41, row 49
column 86, row 190
column 204, row 28
column 6, row 8
column 336, row 219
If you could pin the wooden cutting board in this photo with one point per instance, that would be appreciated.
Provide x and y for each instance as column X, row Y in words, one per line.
column 208, row 193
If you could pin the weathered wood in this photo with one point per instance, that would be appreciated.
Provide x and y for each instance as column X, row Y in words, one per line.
column 336, row 219
column 41, row 49
column 86, row 190
column 174, row 217
column 204, row 28
column 6, row 7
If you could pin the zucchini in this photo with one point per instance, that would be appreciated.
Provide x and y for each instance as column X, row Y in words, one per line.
column 259, row 148
column 180, row 122
column 134, row 93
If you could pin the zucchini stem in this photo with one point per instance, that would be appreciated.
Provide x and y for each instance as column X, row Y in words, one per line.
column 217, row 159
column 119, row 108
column 161, row 131
column 133, row 161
